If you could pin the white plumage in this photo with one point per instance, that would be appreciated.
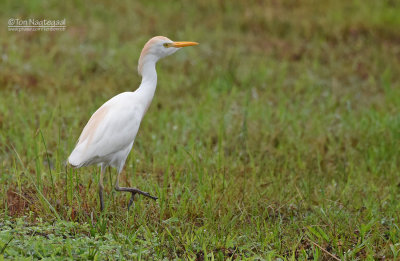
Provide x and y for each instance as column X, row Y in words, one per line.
column 109, row 135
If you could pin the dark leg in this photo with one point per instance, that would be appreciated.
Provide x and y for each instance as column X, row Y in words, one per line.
column 133, row 191
column 101, row 187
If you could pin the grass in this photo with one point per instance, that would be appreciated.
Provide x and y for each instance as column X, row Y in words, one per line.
column 276, row 137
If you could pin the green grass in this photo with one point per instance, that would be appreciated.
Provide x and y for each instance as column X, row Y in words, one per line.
column 276, row 137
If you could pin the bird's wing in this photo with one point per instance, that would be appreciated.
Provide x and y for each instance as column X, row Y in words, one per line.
column 111, row 128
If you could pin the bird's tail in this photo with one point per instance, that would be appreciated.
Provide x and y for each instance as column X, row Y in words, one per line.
column 75, row 160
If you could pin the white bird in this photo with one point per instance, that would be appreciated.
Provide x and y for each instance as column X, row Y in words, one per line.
column 108, row 137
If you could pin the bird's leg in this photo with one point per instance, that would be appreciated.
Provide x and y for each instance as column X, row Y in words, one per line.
column 101, row 187
column 133, row 191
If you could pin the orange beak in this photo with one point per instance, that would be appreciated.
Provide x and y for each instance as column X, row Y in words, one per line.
column 183, row 44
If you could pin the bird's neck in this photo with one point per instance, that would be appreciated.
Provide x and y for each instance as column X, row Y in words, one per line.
column 148, row 85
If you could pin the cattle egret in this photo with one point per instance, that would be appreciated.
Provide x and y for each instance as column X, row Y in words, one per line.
column 109, row 134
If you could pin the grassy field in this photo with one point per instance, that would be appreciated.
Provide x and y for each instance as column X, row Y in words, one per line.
column 277, row 137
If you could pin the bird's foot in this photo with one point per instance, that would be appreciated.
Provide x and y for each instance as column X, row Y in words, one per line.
column 133, row 192
column 131, row 200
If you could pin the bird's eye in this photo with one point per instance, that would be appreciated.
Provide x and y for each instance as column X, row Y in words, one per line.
column 166, row 45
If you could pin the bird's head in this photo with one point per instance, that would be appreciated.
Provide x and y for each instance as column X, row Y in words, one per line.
column 159, row 47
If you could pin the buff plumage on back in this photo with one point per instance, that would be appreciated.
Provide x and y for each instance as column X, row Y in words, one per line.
column 77, row 157
column 146, row 50
column 94, row 122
